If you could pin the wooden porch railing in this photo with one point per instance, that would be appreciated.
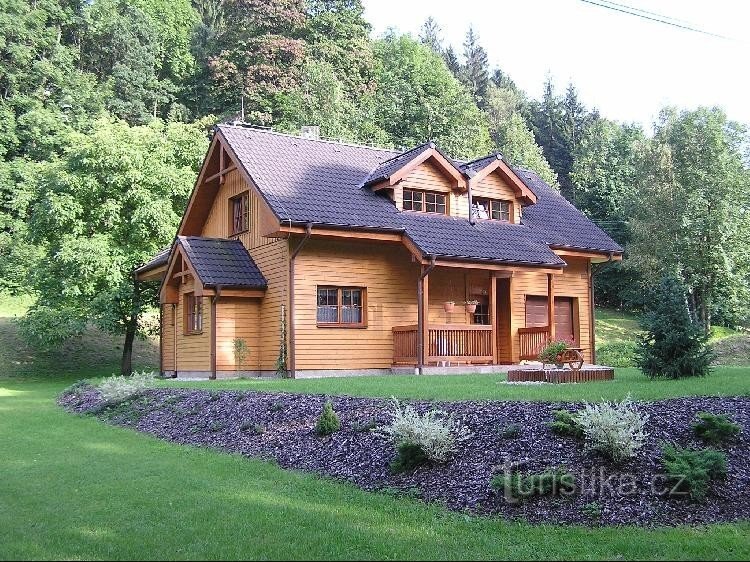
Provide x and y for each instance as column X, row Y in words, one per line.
column 532, row 341
column 465, row 343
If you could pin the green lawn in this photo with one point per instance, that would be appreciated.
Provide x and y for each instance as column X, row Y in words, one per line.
column 615, row 326
column 74, row 488
column 725, row 381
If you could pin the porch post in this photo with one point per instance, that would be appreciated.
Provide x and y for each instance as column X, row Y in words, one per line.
column 423, row 299
column 551, row 305
column 493, row 315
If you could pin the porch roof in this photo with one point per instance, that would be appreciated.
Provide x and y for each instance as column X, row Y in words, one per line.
column 221, row 262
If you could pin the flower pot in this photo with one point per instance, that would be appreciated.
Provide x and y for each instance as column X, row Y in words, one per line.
column 471, row 308
column 448, row 306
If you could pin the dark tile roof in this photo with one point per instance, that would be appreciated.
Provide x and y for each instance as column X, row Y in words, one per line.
column 393, row 165
column 556, row 221
column 159, row 259
column 323, row 182
column 222, row 262
column 479, row 163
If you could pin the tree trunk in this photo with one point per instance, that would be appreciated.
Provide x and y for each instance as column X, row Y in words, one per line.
column 131, row 326
column 126, row 365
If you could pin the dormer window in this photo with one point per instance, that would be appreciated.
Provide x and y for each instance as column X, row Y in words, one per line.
column 425, row 201
column 493, row 209
column 239, row 213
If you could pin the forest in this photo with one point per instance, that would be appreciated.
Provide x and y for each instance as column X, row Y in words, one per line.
column 107, row 105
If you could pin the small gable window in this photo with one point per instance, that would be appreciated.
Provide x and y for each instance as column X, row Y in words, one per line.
column 239, row 213
column 341, row 307
column 425, row 201
column 193, row 314
column 493, row 209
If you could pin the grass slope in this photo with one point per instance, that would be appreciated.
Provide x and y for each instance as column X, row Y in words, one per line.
column 74, row 488
column 93, row 352
column 725, row 381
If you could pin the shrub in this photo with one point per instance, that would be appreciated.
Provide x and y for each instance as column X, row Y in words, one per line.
column 614, row 429
column 617, row 354
column 592, row 510
column 362, row 427
column 117, row 389
column 692, row 470
column 276, row 407
column 715, row 428
column 673, row 346
column 552, row 482
column 565, row 423
column 435, row 433
column 408, row 457
column 328, row 422
column 549, row 353
column 252, row 427
column 510, row 431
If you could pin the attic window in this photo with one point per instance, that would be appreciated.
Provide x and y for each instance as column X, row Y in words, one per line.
column 492, row 209
column 425, row 201
column 239, row 213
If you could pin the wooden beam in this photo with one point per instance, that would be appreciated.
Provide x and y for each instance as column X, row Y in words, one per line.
column 240, row 293
column 596, row 256
column 221, row 173
column 500, row 267
column 551, row 306
column 493, row 316
column 425, row 317
column 154, row 274
column 447, row 168
column 513, row 325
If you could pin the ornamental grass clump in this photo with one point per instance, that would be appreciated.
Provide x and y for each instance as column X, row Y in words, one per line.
column 614, row 429
column 418, row 438
column 117, row 388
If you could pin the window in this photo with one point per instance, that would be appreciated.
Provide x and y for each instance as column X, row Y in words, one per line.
column 491, row 209
column 193, row 314
column 425, row 201
column 239, row 207
column 342, row 306
column 482, row 313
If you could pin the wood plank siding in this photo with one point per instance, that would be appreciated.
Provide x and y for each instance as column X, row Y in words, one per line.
column 237, row 318
column 194, row 350
column 389, row 276
column 271, row 255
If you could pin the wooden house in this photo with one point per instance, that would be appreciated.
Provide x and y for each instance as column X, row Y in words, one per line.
column 328, row 258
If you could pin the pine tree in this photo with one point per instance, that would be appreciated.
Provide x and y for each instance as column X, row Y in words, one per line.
column 430, row 35
column 673, row 346
column 476, row 72
column 452, row 62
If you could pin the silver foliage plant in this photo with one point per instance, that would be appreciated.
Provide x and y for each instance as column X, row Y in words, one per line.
column 615, row 429
column 435, row 432
column 117, row 388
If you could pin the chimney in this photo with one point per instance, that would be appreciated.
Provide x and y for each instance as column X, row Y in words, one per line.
column 310, row 132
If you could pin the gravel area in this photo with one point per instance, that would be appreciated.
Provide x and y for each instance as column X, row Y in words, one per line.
column 280, row 427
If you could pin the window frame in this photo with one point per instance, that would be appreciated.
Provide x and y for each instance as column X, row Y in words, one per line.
column 340, row 306
column 424, row 193
column 483, row 304
column 490, row 202
column 244, row 200
column 193, row 307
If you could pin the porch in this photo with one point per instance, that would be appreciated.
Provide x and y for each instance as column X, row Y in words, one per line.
column 453, row 344
column 493, row 321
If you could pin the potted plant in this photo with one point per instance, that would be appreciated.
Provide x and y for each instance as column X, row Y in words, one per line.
column 552, row 353
column 448, row 306
column 471, row 306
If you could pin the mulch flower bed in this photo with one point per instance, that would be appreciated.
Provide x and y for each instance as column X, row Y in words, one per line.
column 280, row 427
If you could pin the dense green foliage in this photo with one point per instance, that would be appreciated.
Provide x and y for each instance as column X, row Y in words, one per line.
column 673, row 345
column 566, row 423
column 121, row 71
column 692, row 470
column 715, row 428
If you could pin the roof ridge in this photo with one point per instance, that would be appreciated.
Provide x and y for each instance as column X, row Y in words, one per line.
column 299, row 137
column 498, row 155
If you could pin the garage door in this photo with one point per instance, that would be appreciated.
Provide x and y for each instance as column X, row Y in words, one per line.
column 536, row 315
